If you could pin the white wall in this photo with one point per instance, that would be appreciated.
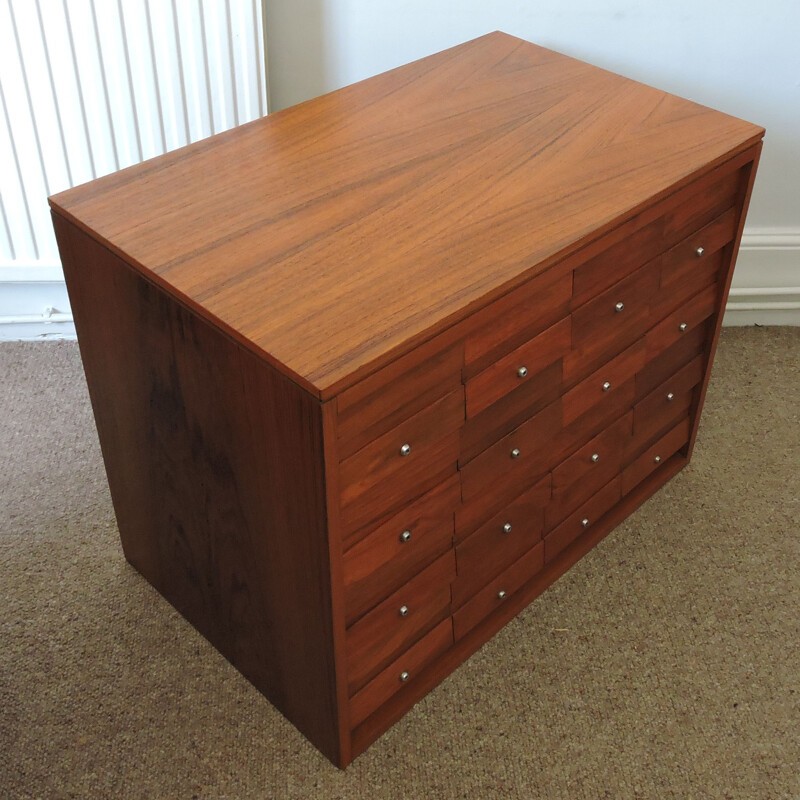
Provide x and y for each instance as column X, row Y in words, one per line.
column 740, row 57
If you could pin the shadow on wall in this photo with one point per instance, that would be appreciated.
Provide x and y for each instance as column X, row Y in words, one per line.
column 296, row 51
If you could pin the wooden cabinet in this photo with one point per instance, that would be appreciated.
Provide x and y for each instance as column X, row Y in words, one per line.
column 371, row 373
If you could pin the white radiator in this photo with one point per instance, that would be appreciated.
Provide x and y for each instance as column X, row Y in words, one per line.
column 90, row 86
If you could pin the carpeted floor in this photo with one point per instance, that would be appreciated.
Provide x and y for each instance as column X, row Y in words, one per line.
column 666, row 664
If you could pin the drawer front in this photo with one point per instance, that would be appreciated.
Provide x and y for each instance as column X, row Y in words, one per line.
column 658, row 369
column 499, row 541
column 391, row 627
column 514, row 370
column 581, row 520
column 402, row 463
column 656, row 455
column 393, row 394
column 396, row 550
column 401, row 672
column 680, row 322
column 588, row 469
column 497, row 591
column 599, row 386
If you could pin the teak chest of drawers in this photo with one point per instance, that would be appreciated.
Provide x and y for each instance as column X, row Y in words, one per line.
column 371, row 373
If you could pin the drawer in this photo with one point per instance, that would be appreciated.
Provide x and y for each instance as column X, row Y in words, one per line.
column 498, row 542
column 516, row 460
column 588, row 469
column 680, row 322
column 498, row 591
column 391, row 627
column 515, row 318
column 397, row 549
column 654, row 456
column 513, row 371
column 401, row 464
column 383, row 400
column 611, row 322
column 600, row 385
column 582, row 519
column 401, row 672
column 684, row 212
column 666, row 403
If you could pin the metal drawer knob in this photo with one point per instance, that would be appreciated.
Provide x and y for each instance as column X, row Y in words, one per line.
column 699, row 251
column 501, row 595
column 403, row 611
column 405, row 536
column 405, row 449
column 515, row 453
column 670, row 397
column 606, row 386
column 682, row 327
column 619, row 307
column 595, row 457
column 404, row 676
column 657, row 459
column 585, row 522
column 522, row 372
column 507, row 527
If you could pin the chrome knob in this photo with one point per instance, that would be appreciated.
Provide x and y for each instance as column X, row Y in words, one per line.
column 699, row 251
column 657, row 459
column 585, row 522
column 682, row 327
column 403, row 611
column 405, row 536
column 522, row 372
column 405, row 449
column 404, row 676
column 507, row 527
column 606, row 386
column 595, row 457
column 619, row 307
column 501, row 594
column 670, row 397
column 515, row 453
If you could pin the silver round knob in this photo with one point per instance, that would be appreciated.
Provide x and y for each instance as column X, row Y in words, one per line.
column 403, row 611
column 619, row 307
column 657, row 459
column 699, row 251
column 507, row 527
column 585, row 522
column 515, row 453
column 595, row 457
column 606, row 386
column 682, row 327
column 670, row 397
column 405, row 449
column 522, row 372
column 501, row 594
column 405, row 536
column 404, row 676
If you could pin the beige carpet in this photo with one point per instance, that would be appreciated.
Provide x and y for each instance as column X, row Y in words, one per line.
column 665, row 665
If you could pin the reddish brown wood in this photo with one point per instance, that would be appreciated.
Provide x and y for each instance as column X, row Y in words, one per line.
column 692, row 313
column 655, row 455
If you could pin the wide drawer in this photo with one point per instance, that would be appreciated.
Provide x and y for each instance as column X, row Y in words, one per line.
column 400, row 547
column 499, row 541
column 401, row 672
column 654, row 456
column 383, row 633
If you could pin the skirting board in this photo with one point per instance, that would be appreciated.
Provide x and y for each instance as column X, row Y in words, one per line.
column 766, row 290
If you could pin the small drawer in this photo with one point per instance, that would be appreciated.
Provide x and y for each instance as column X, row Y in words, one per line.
column 397, row 549
column 590, row 468
column 611, row 322
column 681, row 322
column 391, row 627
column 654, row 456
column 515, row 461
column 498, row 591
column 498, row 542
column 408, row 385
column 657, row 370
column 582, row 519
column 514, row 370
column 401, row 464
column 600, row 385
column 401, row 672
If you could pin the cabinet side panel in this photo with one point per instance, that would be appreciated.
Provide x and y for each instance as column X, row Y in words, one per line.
column 215, row 465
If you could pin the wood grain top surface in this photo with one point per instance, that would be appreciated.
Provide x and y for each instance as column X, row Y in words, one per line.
column 334, row 235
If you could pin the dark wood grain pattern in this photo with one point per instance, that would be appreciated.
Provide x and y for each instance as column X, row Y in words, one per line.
column 254, row 228
column 219, row 495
